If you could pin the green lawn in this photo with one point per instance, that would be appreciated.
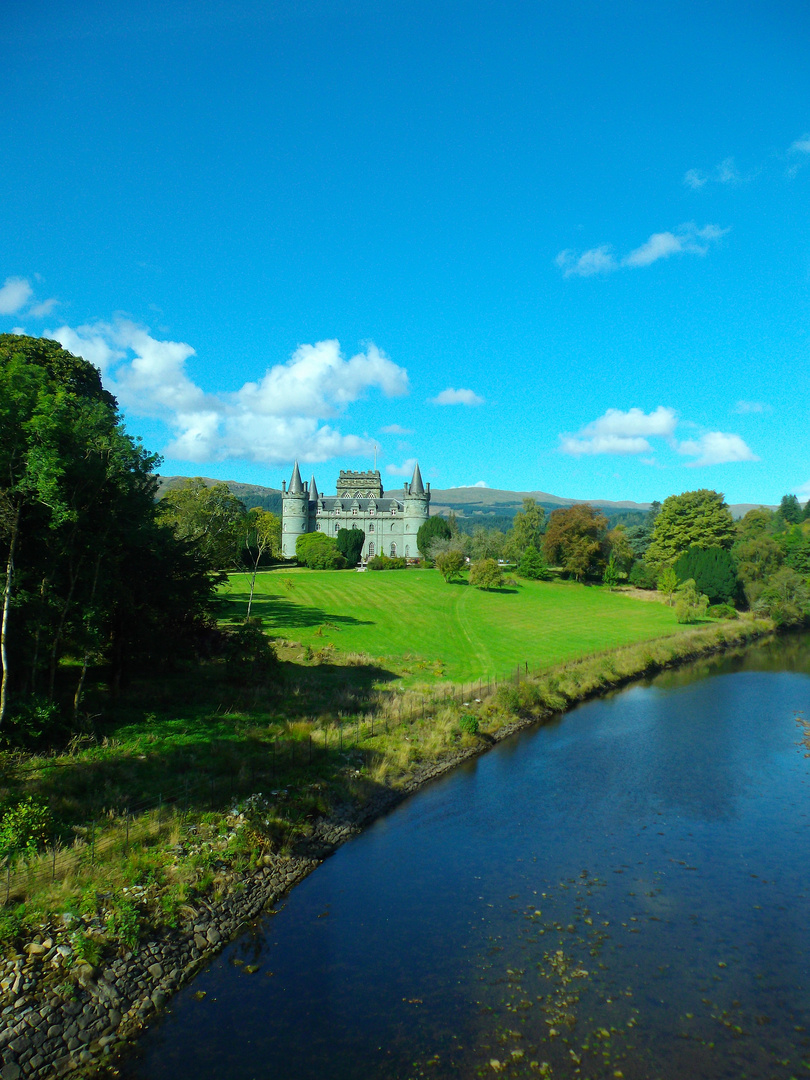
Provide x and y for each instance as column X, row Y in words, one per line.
column 425, row 626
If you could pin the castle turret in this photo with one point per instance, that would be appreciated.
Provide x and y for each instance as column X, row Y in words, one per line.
column 294, row 514
column 416, row 501
column 313, row 491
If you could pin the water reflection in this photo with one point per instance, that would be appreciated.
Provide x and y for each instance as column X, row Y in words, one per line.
column 622, row 893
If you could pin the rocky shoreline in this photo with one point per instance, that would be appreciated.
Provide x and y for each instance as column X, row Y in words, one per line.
column 62, row 1015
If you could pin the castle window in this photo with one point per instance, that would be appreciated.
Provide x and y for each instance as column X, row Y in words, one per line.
column 407, row 528
column 393, row 509
column 372, row 510
column 407, row 551
column 354, row 511
column 371, row 527
column 393, row 526
column 371, row 549
column 393, row 551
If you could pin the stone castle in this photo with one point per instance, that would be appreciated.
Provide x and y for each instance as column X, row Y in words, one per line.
column 389, row 522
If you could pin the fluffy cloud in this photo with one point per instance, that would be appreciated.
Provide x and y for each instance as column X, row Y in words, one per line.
column 695, row 179
column 687, row 239
column 802, row 145
column 395, row 429
column 14, row 295
column 628, row 433
column 456, row 397
column 269, row 421
column 477, row 484
column 620, row 432
column 724, row 173
column 405, row 469
column 716, row 448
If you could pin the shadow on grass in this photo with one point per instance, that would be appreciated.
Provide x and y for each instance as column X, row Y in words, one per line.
column 277, row 612
column 197, row 741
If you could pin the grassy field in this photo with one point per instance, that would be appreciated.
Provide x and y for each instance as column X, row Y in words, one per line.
column 427, row 628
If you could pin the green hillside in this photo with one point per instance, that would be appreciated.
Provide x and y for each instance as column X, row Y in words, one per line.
column 431, row 629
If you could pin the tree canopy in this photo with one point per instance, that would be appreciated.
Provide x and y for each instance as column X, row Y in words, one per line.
column 527, row 530
column 350, row 544
column 210, row 517
column 88, row 568
column 574, row 540
column 433, row 529
column 713, row 570
column 693, row 519
column 319, row 552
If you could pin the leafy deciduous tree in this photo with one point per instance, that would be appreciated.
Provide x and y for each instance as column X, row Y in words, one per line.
column 573, row 540
column 432, row 529
column 693, row 519
column 486, row 574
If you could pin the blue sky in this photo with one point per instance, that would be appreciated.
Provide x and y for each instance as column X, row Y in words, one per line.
column 558, row 247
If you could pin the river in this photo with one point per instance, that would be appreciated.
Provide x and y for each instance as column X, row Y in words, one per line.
column 621, row 893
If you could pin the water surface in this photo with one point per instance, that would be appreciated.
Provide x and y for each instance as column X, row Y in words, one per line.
column 621, row 893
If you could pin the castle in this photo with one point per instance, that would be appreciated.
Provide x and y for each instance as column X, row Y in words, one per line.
column 390, row 523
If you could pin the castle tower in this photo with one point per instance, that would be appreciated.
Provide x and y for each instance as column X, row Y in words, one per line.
column 294, row 513
column 416, row 500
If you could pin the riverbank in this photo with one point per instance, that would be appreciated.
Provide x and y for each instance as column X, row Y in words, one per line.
column 65, row 1013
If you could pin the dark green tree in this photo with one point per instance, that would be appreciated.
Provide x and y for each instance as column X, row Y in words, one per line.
column 713, row 570
column 533, row 565
column 790, row 510
column 433, row 529
column 350, row 544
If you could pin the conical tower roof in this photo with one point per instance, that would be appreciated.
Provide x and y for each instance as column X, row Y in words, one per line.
column 296, row 487
column 313, row 490
column 417, row 487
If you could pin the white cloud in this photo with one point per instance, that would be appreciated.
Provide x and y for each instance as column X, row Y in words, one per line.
column 14, row 295
column 456, row 397
column 620, row 432
column 270, row 421
column 688, row 239
column 716, row 448
column 477, row 484
column 598, row 260
column 743, row 408
column 39, row 311
column 802, row 145
column 395, row 429
column 628, row 433
column 405, row 469
column 695, row 179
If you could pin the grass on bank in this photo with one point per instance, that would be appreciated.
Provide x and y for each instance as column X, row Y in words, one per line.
column 422, row 627
column 142, row 870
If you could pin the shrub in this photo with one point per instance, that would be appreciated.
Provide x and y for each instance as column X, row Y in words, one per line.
column 486, row 574
column 350, row 544
column 713, row 571
column 249, row 656
column 319, row 552
column 691, row 604
column 469, row 724
column 383, row 562
column 25, row 829
column 722, row 611
column 642, row 576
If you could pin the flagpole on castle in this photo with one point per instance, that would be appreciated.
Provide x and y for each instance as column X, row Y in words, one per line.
column 375, row 457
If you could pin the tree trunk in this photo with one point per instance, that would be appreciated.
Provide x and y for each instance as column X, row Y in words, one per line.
column 15, row 529
column 77, row 697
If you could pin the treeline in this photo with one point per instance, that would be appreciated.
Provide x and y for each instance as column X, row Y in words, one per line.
column 95, row 572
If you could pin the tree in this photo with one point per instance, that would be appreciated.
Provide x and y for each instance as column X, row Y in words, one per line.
column 533, row 566
column 486, row 574
column 262, row 536
column 758, row 557
column 319, row 552
column 432, row 529
column 89, row 571
column 527, row 530
column 350, row 544
column 693, row 519
column 639, row 536
column 208, row 516
column 574, row 538
column 713, row 570
column 790, row 510
column 691, row 604
column 486, row 543
column 611, row 573
column 620, row 549
column 642, row 576
column 785, row 598
column 450, row 563
column 668, row 583
column 798, row 556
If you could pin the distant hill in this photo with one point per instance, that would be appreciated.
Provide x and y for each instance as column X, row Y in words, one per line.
column 477, row 502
